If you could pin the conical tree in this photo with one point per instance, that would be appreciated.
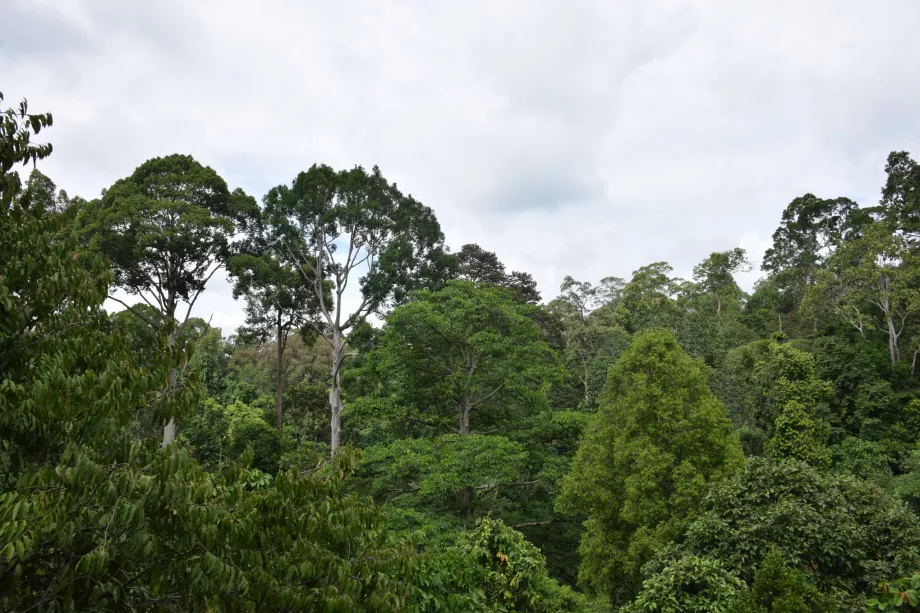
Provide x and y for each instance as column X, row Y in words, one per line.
column 659, row 437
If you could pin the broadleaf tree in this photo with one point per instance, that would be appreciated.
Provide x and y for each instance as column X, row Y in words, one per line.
column 278, row 301
column 658, row 439
column 167, row 229
column 354, row 228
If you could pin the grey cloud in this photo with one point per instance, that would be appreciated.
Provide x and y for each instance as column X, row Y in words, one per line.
column 29, row 30
column 584, row 138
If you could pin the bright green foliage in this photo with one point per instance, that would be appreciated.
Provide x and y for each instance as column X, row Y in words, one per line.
column 797, row 436
column 337, row 226
column 778, row 588
column 715, row 276
column 899, row 595
column 760, row 380
column 512, row 571
column 846, row 533
column 689, row 584
column 658, row 439
column 92, row 520
column 467, row 358
column 451, row 473
column 279, row 300
column 871, row 283
column 494, row 569
column 218, row 435
column 17, row 126
column 588, row 316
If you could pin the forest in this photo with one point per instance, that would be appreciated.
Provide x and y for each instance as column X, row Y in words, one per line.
column 452, row 439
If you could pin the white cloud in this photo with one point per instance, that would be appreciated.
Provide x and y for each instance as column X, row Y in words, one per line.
column 584, row 138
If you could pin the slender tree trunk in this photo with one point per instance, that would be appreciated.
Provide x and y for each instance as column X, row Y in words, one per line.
column 468, row 494
column 335, row 392
column 169, row 430
column 465, row 411
column 279, row 380
column 892, row 341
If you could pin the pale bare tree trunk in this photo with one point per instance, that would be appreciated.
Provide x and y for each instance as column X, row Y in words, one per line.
column 335, row 392
column 892, row 341
column 465, row 411
column 169, row 430
column 279, row 380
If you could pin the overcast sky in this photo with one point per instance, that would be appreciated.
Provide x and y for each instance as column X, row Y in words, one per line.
column 582, row 138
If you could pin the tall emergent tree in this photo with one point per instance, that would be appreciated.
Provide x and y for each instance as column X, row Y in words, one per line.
column 167, row 229
column 588, row 314
column 278, row 300
column 810, row 231
column 659, row 437
column 483, row 267
column 94, row 519
column 716, row 276
column 872, row 282
column 338, row 225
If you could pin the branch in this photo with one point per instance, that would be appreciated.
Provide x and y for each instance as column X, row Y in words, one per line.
column 198, row 293
column 130, row 308
column 530, row 524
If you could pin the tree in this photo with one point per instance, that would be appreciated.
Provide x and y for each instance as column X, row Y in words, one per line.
column 17, row 126
column 483, row 267
column 779, row 588
column 512, row 572
column 588, row 328
column 901, row 194
column 811, row 229
column 167, row 229
column 393, row 238
column 647, row 299
column 798, row 436
column 871, row 282
column 92, row 519
column 759, row 379
column 278, row 300
column 689, row 584
column 466, row 354
column 40, row 191
column 659, row 437
column 846, row 533
column 716, row 275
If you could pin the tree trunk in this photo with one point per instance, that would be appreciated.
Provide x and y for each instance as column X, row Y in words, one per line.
column 335, row 393
column 279, row 380
column 892, row 341
column 169, row 430
column 465, row 409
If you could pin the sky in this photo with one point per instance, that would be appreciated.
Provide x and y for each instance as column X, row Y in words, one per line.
column 583, row 138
